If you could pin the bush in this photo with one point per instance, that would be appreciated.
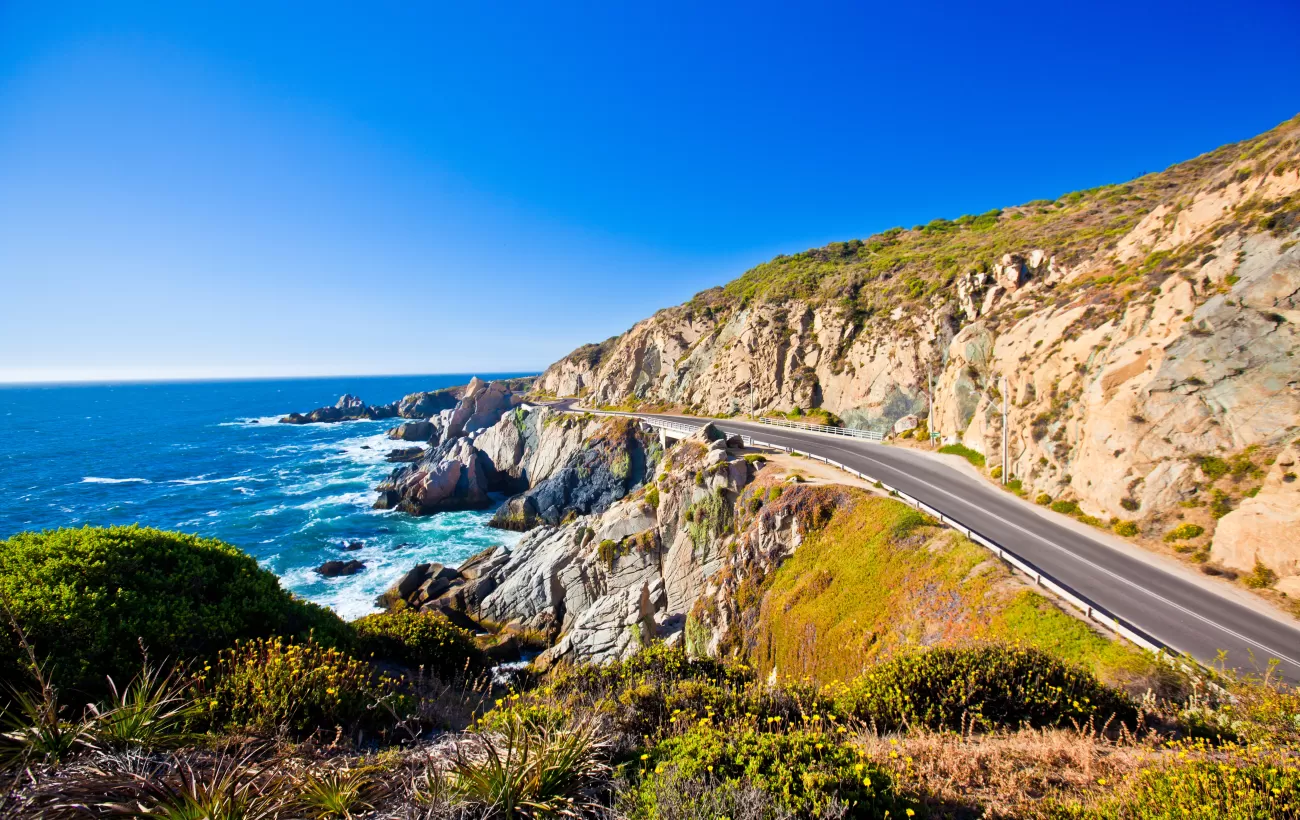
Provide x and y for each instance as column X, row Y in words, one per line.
column 1043, row 499
column 418, row 639
column 1126, row 528
column 1209, row 788
column 1065, row 507
column 1184, row 532
column 652, row 496
column 88, row 597
column 1213, row 467
column 802, row 772
column 1260, row 577
column 970, row 455
column 268, row 684
column 986, row 687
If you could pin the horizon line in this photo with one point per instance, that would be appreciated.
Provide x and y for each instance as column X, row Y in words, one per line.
column 92, row 382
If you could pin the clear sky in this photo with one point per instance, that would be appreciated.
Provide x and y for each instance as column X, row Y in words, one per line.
column 264, row 188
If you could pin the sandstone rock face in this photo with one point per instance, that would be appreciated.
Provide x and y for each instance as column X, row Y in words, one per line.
column 1122, row 365
column 1266, row 528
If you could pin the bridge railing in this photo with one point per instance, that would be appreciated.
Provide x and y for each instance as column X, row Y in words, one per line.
column 869, row 435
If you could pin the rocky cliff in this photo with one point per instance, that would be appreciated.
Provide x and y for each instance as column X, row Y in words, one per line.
column 1138, row 329
column 732, row 555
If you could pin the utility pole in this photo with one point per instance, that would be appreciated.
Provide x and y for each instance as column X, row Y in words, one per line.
column 1005, row 463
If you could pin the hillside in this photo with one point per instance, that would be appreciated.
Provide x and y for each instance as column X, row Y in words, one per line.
column 1144, row 330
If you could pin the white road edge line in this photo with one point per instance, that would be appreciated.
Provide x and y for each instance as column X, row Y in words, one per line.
column 1086, row 562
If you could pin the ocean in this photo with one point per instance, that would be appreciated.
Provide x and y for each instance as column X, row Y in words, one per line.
column 209, row 458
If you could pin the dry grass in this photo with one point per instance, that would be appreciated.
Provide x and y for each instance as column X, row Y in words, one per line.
column 1008, row 774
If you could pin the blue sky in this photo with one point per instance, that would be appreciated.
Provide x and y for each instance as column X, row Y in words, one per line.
column 225, row 189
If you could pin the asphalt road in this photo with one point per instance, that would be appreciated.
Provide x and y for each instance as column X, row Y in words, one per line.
column 1178, row 613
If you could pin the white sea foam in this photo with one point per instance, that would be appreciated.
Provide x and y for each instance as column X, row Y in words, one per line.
column 203, row 479
column 257, row 422
column 93, row 479
column 359, row 499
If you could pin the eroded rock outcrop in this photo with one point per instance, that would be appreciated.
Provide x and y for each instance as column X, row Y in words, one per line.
column 347, row 408
column 454, row 474
column 451, row 476
column 614, row 457
column 1266, row 529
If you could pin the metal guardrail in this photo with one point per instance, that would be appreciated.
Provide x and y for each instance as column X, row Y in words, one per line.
column 869, row 435
column 1091, row 611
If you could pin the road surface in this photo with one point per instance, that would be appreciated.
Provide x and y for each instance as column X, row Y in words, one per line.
column 1177, row 612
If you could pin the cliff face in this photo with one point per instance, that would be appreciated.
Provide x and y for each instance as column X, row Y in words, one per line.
column 1139, row 328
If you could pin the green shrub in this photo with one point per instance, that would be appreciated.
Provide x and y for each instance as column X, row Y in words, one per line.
column 269, row 684
column 1220, row 504
column 1043, row 499
column 1184, row 532
column 1213, row 467
column 1210, row 788
column 970, row 455
column 1065, row 507
column 1126, row 528
column 652, row 496
column 802, row 772
column 1260, row 577
column 418, row 639
column 87, row 598
column 984, row 686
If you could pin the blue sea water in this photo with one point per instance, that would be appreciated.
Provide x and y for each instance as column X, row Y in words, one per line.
column 209, row 458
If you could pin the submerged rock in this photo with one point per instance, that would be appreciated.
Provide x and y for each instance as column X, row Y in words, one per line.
column 335, row 569
column 404, row 454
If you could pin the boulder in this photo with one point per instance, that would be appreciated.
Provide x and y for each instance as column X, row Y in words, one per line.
column 908, row 422
column 707, row 434
column 424, row 405
column 353, row 546
column 404, row 455
column 412, row 431
column 1266, row 528
column 736, row 442
column 335, row 569
column 450, row 476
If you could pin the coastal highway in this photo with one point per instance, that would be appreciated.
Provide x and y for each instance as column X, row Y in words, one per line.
column 1186, row 614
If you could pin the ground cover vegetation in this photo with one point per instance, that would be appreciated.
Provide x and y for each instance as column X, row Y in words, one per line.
column 393, row 717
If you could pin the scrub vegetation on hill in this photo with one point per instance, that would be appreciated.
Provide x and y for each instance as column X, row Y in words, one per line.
column 396, row 719
column 874, row 275
column 880, row 580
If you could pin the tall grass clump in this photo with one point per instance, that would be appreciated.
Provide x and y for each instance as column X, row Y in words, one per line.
column 530, row 770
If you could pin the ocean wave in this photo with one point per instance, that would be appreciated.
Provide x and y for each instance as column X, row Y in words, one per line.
column 196, row 480
column 94, row 479
column 358, row 499
column 261, row 421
